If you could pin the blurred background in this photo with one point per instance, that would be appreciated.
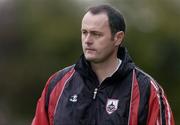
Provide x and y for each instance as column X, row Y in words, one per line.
column 39, row 37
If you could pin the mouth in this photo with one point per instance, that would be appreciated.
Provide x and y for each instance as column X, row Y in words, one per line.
column 89, row 49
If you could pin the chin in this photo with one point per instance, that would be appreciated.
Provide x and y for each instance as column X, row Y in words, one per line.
column 90, row 58
column 93, row 60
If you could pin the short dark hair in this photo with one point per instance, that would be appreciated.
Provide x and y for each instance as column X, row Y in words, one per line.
column 116, row 20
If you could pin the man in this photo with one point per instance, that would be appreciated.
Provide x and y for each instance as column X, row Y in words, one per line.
column 104, row 87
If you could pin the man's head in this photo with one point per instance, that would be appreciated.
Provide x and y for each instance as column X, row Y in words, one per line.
column 115, row 19
column 102, row 30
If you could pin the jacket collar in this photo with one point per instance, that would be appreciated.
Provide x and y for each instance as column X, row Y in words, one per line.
column 83, row 67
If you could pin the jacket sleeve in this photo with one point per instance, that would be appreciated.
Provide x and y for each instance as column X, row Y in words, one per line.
column 41, row 114
column 159, row 109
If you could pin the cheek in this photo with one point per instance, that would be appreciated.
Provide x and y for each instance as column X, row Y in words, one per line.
column 82, row 37
column 83, row 46
column 106, row 48
column 82, row 41
column 105, row 45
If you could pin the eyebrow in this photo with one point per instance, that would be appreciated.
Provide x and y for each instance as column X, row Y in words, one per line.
column 92, row 31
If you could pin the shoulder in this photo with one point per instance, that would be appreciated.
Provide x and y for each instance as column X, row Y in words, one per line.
column 58, row 76
column 144, row 77
column 53, row 80
column 145, row 81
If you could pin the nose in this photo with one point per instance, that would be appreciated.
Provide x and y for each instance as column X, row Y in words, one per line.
column 88, row 39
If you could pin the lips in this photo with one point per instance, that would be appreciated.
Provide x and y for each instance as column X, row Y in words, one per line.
column 90, row 49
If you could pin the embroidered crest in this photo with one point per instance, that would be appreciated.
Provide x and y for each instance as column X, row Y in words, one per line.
column 111, row 105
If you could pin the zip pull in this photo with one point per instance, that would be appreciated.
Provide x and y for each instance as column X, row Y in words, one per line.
column 95, row 93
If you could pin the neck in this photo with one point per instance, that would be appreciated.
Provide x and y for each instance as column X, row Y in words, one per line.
column 105, row 69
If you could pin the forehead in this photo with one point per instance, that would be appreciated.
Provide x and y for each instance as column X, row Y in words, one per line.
column 95, row 21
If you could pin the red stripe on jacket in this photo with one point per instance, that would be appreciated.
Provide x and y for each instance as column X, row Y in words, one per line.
column 56, row 95
column 134, row 103
column 155, row 108
column 168, row 113
column 41, row 116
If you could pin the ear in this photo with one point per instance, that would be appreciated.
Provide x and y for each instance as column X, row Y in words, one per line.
column 118, row 38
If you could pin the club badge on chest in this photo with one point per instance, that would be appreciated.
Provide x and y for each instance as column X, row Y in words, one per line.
column 111, row 105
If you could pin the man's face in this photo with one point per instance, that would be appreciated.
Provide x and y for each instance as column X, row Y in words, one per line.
column 97, row 42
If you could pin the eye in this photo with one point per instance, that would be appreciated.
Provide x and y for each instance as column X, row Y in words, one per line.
column 84, row 32
column 96, row 34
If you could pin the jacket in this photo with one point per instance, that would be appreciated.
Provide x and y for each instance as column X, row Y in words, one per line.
column 73, row 96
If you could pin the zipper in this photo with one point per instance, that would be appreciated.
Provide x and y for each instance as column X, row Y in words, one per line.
column 95, row 116
column 95, row 93
column 94, row 120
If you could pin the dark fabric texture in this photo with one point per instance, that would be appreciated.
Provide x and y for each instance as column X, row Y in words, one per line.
column 86, row 110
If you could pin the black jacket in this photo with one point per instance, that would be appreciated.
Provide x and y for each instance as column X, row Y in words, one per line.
column 129, row 96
